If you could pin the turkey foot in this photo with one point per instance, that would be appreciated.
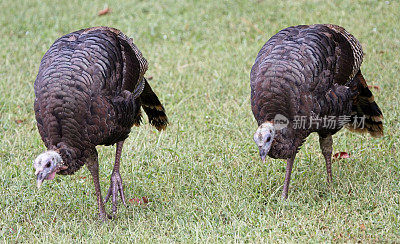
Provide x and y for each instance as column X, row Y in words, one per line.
column 116, row 181
column 93, row 166
column 115, row 187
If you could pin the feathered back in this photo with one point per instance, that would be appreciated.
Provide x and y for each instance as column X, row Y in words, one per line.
column 343, row 49
column 134, row 64
column 348, row 53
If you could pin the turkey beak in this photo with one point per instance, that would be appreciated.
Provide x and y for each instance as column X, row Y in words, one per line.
column 40, row 178
column 264, row 151
column 263, row 155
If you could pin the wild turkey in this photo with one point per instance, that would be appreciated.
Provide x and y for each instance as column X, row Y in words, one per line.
column 88, row 92
column 304, row 77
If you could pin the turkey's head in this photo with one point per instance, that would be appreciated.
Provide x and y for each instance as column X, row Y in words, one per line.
column 264, row 137
column 47, row 165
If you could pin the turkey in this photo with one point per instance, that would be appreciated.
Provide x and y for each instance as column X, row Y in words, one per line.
column 89, row 91
column 307, row 79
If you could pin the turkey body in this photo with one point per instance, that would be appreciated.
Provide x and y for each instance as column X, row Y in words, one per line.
column 89, row 91
column 310, row 75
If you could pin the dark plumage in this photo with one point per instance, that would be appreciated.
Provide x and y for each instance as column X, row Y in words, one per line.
column 309, row 71
column 89, row 91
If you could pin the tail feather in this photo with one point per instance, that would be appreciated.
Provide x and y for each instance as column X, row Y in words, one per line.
column 366, row 114
column 153, row 108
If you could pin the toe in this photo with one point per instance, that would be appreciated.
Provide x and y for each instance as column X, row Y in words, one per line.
column 108, row 194
column 121, row 192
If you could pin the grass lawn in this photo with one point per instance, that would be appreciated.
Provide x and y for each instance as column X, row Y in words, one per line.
column 203, row 176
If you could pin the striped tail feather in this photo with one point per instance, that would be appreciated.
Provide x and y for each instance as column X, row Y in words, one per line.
column 365, row 107
column 153, row 108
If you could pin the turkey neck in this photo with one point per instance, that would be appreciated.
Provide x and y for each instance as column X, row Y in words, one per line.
column 287, row 142
column 73, row 158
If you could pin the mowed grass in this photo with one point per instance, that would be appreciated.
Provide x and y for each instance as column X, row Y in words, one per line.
column 202, row 176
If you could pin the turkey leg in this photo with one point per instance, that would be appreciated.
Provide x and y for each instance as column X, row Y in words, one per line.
column 325, row 144
column 93, row 166
column 289, row 167
column 116, row 181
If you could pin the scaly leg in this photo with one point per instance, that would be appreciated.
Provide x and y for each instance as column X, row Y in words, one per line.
column 289, row 167
column 116, row 181
column 93, row 166
column 325, row 144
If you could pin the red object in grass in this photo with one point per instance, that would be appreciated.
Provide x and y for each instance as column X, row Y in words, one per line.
column 139, row 201
column 341, row 155
column 374, row 87
column 104, row 11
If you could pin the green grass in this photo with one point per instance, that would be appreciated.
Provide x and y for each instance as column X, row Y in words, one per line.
column 203, row 175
